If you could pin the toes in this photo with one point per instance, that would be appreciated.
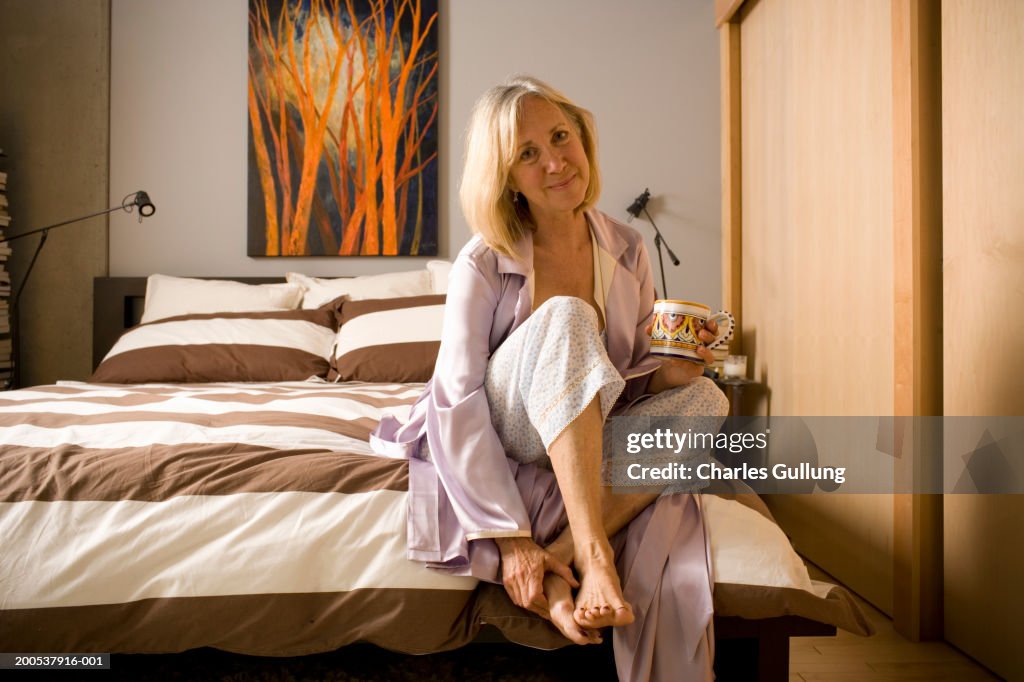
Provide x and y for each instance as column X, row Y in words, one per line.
column 603, row 616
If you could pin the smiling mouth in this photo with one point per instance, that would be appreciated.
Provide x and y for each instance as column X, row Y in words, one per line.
column 564, row 183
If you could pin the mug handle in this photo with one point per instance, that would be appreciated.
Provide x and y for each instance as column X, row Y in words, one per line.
column 726, row 324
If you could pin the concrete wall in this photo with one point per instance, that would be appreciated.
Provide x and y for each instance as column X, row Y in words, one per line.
column 54, row 107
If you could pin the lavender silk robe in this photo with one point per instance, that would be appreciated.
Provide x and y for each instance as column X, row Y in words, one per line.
column 470, row 491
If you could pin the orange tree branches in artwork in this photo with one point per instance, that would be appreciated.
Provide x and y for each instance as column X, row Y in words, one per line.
column 385, row 118
column 353, row 100
column 272, row 94
column 259, row 107
column 291, row 83
column 314, row 117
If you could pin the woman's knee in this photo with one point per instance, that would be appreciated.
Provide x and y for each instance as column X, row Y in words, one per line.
column 709, row 398
column 567, row 310
column 699, row 398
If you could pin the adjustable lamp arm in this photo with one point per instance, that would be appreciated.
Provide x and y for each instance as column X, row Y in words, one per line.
column 139, row 199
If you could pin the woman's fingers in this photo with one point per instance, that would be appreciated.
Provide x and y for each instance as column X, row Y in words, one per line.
column 709, row 332
column 540, row 606
column 706, row 355
column 555, row 566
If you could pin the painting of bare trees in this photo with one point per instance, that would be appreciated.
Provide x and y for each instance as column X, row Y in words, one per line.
column 343, row 104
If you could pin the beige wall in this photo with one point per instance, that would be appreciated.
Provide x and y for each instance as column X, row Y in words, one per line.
column 54, row 105
column 648, row 69
column 817, row 248
column 983, row 273
column 171, row 79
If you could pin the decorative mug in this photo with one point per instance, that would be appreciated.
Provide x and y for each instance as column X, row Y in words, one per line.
column 676, row 324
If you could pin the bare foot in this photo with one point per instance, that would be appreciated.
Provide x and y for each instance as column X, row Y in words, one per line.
column 560, row 611
column 599, row 602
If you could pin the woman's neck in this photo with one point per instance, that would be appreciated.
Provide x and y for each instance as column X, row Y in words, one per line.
column 565, row 231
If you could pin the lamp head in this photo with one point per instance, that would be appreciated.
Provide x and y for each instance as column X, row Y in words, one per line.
column 146, row 207
column 639, row 204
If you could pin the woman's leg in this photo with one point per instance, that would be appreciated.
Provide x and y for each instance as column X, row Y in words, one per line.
column 576, row 459
column 550, row 387
column 700, row 399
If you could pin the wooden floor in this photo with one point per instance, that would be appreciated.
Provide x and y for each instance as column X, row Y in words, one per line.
column 884, row 657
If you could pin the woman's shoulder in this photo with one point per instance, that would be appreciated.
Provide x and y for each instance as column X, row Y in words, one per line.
column 477, row 253
column 475, row 249
column 616, row 229
column 477, row 262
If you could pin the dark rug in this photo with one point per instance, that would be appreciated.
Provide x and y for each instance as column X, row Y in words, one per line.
column 363, row 662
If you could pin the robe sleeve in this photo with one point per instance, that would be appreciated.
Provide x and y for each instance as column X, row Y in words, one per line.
column 464, row 447
column 642, row 360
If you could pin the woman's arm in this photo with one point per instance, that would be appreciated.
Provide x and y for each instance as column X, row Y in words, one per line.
column 666, row 373
column 464, row 447
column 674, row 372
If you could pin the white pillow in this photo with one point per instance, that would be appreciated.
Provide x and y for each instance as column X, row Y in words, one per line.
column 172, row 296
column 749, row 549
column 439, row 271
column 390, row 285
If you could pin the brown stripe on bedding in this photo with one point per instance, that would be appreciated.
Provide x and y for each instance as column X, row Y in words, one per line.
column 199, row 388
column 353, row 309
column 406, row 620
column 764, row 601
column 210, row 362
column 159, row 472
column 362, row 398
column 413, row 361
column 358, row 428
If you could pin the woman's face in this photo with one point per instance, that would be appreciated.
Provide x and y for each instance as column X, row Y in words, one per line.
column 550, row 167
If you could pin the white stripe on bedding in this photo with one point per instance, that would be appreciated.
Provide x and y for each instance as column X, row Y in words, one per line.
column 404, row 325
column 78, row 553
column 340, row 407
column 410, row 389
column 142, row 433
column 307, row 336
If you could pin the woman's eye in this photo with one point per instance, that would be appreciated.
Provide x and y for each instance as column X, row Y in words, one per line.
column 561, row 136
column 528, row 154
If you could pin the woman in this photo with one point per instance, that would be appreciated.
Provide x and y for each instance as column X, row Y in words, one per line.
column 546, row 332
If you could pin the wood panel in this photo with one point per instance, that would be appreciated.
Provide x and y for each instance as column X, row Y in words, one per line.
column 54, row 114
column 732, row 187
column 983, row 282
column 817, row 247
column 917, row 318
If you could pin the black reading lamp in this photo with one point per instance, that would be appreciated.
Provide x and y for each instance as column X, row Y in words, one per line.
column 640, row 205
column 138, row 200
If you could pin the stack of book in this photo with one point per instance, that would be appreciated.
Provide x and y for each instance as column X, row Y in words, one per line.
column 6, row 349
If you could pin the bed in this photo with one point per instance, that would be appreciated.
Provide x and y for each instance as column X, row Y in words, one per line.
column 190, row 496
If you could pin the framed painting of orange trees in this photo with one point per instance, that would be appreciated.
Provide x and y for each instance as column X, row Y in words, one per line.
column 343, row 103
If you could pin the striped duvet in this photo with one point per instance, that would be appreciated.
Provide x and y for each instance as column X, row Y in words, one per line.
column 254, row 518
column 251, row 517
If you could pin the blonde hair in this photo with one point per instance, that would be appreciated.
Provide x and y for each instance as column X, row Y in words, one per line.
column 490, row 152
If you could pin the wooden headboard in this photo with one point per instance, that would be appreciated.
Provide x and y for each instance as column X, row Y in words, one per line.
column 117, row 306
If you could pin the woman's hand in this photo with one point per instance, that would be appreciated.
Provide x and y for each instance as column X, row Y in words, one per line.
column 523, row 566
column 678, row 372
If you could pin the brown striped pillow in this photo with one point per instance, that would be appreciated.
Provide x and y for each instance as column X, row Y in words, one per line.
column 285, row 345
column 388, row 339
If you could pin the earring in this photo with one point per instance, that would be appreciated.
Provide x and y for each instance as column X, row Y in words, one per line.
column 516, row 197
